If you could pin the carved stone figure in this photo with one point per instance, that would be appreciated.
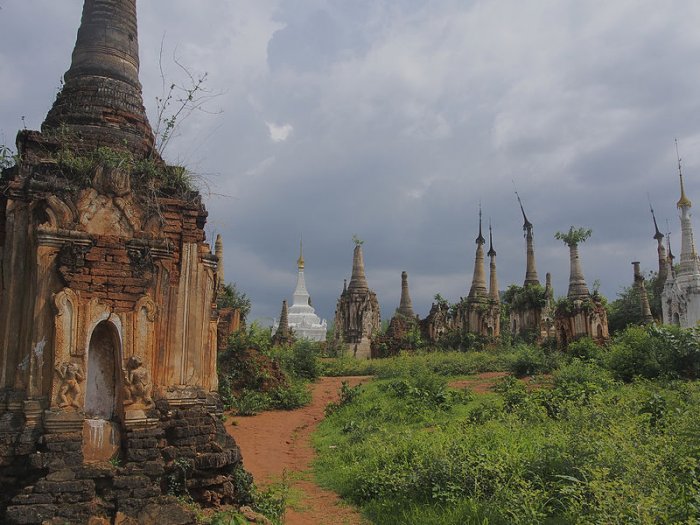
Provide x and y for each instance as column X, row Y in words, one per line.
column 137, row 383
column 71, row 375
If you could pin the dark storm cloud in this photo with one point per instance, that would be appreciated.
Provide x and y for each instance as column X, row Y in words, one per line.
column 393, row 119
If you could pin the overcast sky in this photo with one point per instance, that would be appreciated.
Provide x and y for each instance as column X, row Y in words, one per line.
column 393, row 119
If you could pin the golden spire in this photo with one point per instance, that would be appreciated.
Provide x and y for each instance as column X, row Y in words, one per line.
column 684, row 201
column 300, row 260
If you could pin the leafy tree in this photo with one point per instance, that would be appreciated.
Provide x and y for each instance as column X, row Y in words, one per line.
column 230, row 297
column 574, row 236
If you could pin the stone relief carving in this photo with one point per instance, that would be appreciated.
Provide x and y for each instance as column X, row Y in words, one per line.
column 138, row 388
column 70, row 391
column 112, row 181
column 66, row 324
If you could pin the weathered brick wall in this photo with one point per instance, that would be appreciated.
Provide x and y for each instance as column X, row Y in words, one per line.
column 188, row 450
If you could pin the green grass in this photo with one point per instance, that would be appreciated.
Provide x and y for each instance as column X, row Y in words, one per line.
column 408, row 450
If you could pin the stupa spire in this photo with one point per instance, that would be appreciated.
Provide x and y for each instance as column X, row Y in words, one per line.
column 358, row 281
column 101, row 103
column 643, row 297
column 493, row 282
column 660, row 249
column 405, row 306
column 300, row 260
column 282, row 335
column 531, row 269
column 219, row 252
column 683, row 202
column 478, row 288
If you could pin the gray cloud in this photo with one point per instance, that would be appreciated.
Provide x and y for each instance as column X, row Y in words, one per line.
column 405, row 116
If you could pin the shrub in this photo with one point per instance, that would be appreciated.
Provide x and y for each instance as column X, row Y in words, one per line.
column 531, row 360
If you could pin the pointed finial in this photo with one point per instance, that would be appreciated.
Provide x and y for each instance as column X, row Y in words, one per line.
column 300, row 260
column 658, row 235
column 480, row 239
column 527, row 225
column 491, row 252
column 668, row 242
column 684, row 201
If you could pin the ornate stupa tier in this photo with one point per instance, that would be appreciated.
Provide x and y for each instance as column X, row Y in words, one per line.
column 478, row 288
column 358, row 280
column 101, row 102
column 577, row 283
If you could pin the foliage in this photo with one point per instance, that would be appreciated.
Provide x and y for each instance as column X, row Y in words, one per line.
column 585, row 450
column 230, row 297
column 270, row 502
column 655, row 351
column 442, row 363
column 525, row 297
column 627, row 308
column 255, row 376
column 530, row 360
column 357, row 240
column 149, row 176
column 8, row 157
column 574, row 236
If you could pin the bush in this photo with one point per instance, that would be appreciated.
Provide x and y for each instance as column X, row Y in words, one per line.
column 531, row 360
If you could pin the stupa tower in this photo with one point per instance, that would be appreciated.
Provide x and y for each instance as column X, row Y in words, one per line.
column 101, row 103
column 531, row 269
column 647, row 318
column 357, row 315
column 478, row 289
column 302, row 316
column 660, row 250
column 405, row 305
column 493, row 284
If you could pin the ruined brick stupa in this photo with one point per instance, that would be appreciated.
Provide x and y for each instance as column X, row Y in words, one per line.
column 357, row 315
column 107, row 330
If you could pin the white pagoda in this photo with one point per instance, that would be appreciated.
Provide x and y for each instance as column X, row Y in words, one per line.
column 302, row 317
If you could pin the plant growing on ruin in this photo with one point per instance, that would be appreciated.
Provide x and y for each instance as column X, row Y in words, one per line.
column 8, row 157
column 178, row 101
column 574, row 236
column 357, row 240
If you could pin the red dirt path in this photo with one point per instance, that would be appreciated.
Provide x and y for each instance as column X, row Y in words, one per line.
column 276, row 442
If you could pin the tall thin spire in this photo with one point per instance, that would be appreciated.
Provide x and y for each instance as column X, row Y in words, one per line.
column 219, row 252
column 478, row 288
column 531, row 277
column 643, row 297
column 493, row 281
column 660, row 249
column 101, row 103
column 300, row 260
column 282, row 335
column 684, row 201
column 405, row 306
column 358, row 281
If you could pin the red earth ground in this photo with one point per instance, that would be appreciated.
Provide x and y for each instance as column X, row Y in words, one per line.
column 279, row 442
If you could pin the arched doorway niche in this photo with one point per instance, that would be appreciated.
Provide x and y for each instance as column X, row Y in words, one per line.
column 101, row 435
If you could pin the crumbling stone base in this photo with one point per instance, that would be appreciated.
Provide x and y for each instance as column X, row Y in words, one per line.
column 183, row 450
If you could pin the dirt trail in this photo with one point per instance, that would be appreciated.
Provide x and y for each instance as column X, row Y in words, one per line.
column 279, row 441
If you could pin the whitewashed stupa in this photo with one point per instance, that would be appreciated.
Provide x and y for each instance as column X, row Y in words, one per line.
column 302, row 317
